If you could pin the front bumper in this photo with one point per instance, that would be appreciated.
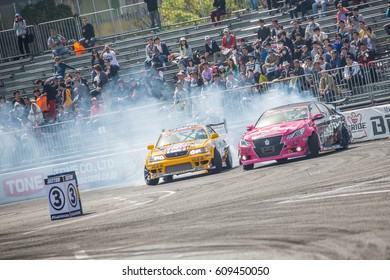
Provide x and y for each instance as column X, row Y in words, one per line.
column 182, row 165
column 288, row 149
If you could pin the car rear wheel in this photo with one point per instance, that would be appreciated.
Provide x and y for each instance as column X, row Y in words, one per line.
column 216, row 162
column 148, row 181
column 345, row 139
column 282, row 160
column 168, row 179
column 313, row 146
column 229, row 159
column 248, row 167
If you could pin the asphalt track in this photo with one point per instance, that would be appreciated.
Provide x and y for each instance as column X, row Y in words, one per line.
column 335, row 206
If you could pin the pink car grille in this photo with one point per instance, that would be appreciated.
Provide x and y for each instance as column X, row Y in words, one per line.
column 268, row 147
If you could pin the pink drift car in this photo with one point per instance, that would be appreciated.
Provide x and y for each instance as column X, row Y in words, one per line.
column 295, row 130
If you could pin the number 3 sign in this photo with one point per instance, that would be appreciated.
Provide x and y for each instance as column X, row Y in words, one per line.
column 63, row 195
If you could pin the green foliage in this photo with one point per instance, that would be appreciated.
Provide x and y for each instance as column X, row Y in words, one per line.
column 45, row 10
column 175, row 11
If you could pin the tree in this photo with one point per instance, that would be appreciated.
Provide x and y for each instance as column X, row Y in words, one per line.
column 46, row 10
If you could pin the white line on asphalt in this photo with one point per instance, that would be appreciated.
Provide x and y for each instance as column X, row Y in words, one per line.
column 81, row 255
column 332, row 196
column 83, row 218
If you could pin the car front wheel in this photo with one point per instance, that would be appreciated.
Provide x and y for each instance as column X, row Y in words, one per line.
column 248, row 167
column 216, row 162
column 345, row 139
column 148, row 181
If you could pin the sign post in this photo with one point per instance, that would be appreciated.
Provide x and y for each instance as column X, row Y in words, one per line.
column 63, row 195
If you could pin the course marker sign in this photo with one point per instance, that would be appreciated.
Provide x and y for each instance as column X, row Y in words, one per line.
column 63, row 195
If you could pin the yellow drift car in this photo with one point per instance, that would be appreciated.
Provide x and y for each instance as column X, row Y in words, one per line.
column 186, row 149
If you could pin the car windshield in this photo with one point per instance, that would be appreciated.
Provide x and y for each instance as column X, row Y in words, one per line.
column 181, row 135
column 284, row 115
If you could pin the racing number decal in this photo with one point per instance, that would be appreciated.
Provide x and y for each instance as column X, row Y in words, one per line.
column 56, row 198
column 72, row 195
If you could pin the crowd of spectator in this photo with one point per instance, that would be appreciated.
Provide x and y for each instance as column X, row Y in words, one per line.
column 304, row 57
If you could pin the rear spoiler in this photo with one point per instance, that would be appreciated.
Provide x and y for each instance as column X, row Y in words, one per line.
column 224, row 123
column 340, row 102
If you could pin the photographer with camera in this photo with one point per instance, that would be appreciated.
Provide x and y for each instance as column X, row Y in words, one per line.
column 20, row 26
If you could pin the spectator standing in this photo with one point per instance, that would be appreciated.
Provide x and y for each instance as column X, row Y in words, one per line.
column 219, row 10
column 319, row 4
column 20, row 26
column 328, row 87
column 88, row 33
column 41, row 101
column 50, row 91
column 272, row 4
column 211, row 49
column 154, row 14
column 254, row 5
column 56, row 43
column 99, row 82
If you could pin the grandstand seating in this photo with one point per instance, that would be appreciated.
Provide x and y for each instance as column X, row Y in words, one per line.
column 22, row 74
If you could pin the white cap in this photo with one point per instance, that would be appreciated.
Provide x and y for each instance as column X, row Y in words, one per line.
column 226, row 30
column 206, row 38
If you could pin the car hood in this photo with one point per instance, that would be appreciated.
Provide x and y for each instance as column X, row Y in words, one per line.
column 272, row 130
column 179, row 147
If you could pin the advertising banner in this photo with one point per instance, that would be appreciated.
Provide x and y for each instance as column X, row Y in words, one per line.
column 369, row 123
column 125, row 168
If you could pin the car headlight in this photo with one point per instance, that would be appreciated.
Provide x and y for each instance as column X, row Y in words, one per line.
column 199, row 151
column 244, row 143
column 296, row 133
column 156, row 158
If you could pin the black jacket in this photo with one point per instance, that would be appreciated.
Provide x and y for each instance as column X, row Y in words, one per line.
column 219, row 3
column 214, row 47
column 152, row 5
column 88, row 31
column 164, row 49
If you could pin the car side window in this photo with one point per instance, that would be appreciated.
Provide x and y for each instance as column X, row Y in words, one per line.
column 210, row 130
column 324, row 110
column 314, row 110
